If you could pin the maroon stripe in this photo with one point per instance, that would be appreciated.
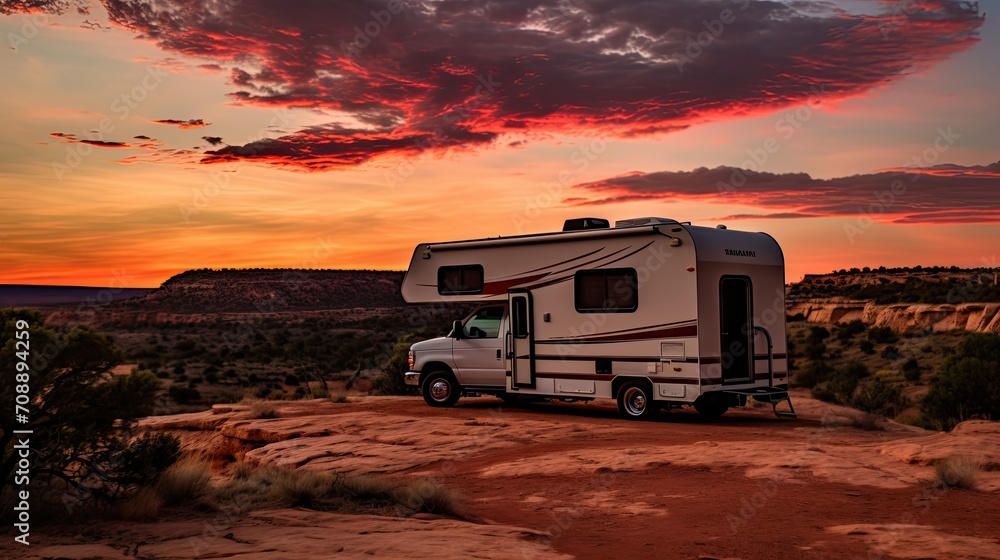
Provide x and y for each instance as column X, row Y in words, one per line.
column 689, row 330
column 567, row 260
column 501, row 286
column 592, row 358
column 605, row 377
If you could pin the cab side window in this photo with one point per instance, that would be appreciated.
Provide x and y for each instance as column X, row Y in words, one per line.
column 485, row 322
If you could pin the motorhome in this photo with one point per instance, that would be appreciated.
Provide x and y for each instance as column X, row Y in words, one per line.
column 652, row 312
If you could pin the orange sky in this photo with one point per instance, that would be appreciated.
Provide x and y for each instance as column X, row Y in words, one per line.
column 368, row 153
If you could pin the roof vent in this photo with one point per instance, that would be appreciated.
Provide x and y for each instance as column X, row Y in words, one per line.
column 636, row 222
column 577, row 224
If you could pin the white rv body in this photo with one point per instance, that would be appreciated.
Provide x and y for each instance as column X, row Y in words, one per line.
column 686, row 317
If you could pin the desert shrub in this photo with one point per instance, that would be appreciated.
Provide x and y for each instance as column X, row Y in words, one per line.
column 911, row 370
column 183, row 395
column 866, row 346
column 818, row 334
column 292, row 379
column 850, row 329
column 815, row 350
column 812, row 374
column 338, row 396
column 958, row 471
column 879, row 397
column 882, row 335
column 842, row 383
column 83, row 418
column 890, row 352
column 968, row 384
column 391, row 380
column 211, row 377
column 319, row 391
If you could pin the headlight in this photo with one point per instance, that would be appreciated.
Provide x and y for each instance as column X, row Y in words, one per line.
column 409, row 360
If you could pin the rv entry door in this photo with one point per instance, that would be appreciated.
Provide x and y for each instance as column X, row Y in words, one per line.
column 522, row 340
column 736, row 303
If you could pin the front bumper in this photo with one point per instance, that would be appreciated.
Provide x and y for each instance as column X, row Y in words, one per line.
column 412, row 378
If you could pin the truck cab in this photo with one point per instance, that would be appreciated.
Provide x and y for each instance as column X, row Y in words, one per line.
column 468, row 360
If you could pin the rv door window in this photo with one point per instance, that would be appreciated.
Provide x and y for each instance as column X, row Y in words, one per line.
column 457, row 280
column 614, row 290
column 485, row 322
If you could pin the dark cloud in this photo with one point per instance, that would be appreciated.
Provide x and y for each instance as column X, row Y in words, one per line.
column 192, row 123
column 105, row 144
column 142, row 137
column 213, row 140
column 940, row 194
column 437, row 75
column 69, row 138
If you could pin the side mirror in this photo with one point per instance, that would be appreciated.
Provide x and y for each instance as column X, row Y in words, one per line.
column 457, row 331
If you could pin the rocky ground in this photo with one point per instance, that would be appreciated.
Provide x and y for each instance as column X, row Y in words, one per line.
column 574, row 480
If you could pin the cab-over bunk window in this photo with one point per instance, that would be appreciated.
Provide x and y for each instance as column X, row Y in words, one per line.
column 612, row 290
column 460, row 280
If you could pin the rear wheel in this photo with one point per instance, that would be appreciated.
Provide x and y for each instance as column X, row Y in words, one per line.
column 440, row 389
column 635, row 401
column 711, row 406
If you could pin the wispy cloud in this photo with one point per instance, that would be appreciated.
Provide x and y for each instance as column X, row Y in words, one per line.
column 940, row 194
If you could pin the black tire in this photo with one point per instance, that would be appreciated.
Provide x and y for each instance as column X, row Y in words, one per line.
column 440, row 389
column 635, row 401
column 710, row 406
column 509, row 399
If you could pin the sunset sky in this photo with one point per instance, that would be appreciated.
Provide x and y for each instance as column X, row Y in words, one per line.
column 143, row 138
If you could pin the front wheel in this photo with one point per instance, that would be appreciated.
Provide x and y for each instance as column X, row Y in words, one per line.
column 635, row 401
column 440, row 389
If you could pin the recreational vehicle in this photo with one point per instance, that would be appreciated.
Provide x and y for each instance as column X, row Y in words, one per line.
column 652, row 312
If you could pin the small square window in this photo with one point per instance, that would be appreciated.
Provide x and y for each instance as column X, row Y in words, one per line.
column 460, row 280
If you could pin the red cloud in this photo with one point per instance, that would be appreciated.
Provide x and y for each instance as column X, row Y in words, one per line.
column 418, row 76
column 192, row 123
column 941, row 194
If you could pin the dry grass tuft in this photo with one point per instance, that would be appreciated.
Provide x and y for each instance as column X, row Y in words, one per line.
column 184, row 481
column 868, row 421
column 262, row 410
column 958, row 471
column 428, row 495
column 338, row 396
column 143, row 506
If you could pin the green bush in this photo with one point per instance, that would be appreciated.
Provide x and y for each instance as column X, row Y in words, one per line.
column 391, row 381
column 812, row 374
column 911, row 370
column 848, row 330
column 882, row 335
column 815, row 350
column 968, row 383
column 841, row 384
column 880, row 397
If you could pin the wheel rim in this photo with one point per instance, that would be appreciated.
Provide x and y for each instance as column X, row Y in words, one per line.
column 635, row 401
column 440, row 389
